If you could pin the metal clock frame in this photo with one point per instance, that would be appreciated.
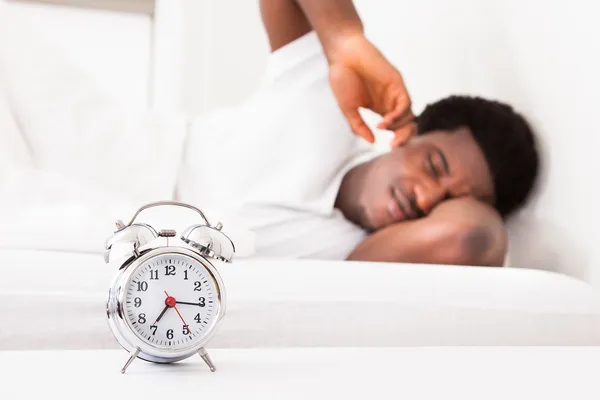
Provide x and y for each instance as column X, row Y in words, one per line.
column 121, row 328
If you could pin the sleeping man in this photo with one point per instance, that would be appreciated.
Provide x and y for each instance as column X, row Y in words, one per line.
column 312, row 188
column 295, row 163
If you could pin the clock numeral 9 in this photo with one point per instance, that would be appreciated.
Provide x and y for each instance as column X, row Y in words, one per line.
column 169, row 270
column 142, row 318
column 186, row 330
column 142, row 286
column 197, row 286
column 170, row 334
column 202, row 301
column 137, row 302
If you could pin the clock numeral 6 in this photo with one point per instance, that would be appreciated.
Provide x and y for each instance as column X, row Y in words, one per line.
column 170, row 334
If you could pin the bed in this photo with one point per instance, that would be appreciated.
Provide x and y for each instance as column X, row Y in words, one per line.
column 55, row 300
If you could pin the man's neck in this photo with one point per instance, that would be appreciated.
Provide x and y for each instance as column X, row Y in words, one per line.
column 347, row 200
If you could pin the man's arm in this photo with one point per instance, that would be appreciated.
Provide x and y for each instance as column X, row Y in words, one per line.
column 359, row 74
column 335, row 21
column 284, row 22
column 287, row 20
column 460, row 231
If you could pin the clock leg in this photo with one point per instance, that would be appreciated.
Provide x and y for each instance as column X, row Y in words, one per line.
column 207, row 359
column 133, row 356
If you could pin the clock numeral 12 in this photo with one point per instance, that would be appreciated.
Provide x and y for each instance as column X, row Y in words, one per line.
column 169, row 270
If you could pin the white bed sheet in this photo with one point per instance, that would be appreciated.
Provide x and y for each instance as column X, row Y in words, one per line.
column 55, row 300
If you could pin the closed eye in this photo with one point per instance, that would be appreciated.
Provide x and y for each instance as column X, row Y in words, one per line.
column 431, row 166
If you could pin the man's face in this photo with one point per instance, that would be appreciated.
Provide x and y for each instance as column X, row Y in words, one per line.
column 409, row 181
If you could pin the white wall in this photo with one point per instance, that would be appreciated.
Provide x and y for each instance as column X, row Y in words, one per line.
column 225, row 53
column 112, row 47
column 542, row 56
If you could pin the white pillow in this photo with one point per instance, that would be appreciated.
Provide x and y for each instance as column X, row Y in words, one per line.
column 13, row 148
column 74, row 128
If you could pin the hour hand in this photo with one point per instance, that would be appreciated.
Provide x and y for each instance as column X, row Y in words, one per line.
column 161, row 314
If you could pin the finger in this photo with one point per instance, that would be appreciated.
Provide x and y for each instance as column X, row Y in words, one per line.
column 402, row 121
column 402, row 112
column 404, row 134
column 358, row 125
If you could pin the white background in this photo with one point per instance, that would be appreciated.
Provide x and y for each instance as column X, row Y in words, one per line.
column 542, row 56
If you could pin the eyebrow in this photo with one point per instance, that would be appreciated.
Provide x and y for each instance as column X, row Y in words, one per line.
column 444, row 160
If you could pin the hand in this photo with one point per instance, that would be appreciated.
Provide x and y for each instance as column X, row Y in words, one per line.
column 189, row 304
column 161, row 314
column 360, row 76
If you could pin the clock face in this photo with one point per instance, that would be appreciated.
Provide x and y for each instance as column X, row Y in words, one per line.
column 171, row 301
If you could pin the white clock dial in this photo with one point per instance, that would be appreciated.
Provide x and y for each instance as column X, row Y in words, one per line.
column 171, row 301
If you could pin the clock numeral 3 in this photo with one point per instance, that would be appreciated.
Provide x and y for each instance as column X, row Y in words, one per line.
column 202, row 301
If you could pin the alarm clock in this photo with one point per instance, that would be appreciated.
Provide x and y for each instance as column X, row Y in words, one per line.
column 167, row 297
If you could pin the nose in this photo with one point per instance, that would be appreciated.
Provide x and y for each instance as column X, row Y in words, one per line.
column 428, row 193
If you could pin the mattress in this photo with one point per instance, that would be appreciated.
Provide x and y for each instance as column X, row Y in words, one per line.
column 55, row 300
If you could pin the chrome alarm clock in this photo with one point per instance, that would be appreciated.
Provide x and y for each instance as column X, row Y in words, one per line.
column 167, row 298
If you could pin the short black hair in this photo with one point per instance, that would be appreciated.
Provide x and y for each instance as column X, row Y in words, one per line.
column 504, row 136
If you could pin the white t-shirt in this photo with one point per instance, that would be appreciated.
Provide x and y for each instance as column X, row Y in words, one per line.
column 274, row 165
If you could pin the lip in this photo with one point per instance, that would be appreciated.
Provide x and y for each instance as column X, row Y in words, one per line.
column 395, row 211
column 403, row 202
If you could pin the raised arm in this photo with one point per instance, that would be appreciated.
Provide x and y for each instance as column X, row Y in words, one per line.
column 284, row 22
column 360, row 76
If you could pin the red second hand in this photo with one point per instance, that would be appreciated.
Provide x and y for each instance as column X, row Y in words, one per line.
column 178, row 313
